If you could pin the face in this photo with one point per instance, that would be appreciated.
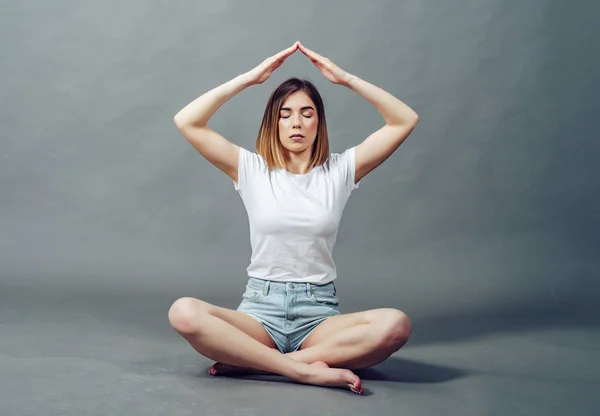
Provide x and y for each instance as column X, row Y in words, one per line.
column 298, row 116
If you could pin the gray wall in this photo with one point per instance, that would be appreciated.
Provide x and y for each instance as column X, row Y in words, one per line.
column 492, row 202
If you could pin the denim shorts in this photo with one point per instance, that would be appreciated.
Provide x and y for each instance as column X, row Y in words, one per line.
column 289, row 311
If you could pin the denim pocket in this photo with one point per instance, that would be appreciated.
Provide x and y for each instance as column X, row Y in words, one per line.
column 250, row 293
column 325, row 299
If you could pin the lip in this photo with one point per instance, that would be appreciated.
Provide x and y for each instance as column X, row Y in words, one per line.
column 296, row 137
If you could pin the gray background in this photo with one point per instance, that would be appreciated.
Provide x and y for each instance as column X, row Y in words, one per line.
column 492, row 201
column 486, row 219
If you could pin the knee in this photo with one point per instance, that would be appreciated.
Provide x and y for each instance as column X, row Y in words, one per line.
column 396, row 328
column 185, row 314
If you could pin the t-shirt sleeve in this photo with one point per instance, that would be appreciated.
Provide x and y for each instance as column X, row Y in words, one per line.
column 249, row 165
column 345, row 168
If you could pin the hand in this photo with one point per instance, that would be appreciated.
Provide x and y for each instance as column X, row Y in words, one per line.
column 263, row 71
column 330, row 70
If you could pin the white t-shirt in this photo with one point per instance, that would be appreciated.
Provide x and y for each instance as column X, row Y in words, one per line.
column 294, row 218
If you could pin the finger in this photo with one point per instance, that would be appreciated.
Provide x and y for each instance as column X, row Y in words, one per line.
column 316, row 63
column 316, row 59
column 306, row 51
column 279, row 62
column 273, row 61
column 279, row 58
column 286, row 52
column 311, row 53
column 291, row 49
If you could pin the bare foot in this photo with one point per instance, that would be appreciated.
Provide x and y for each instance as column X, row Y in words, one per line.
column 221, row 369
column 320, row 374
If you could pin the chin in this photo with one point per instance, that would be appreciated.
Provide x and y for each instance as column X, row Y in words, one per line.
column 298, row 147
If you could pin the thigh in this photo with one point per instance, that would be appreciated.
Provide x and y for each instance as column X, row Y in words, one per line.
column 240, row 320
column 245, row 323
column 337, row 323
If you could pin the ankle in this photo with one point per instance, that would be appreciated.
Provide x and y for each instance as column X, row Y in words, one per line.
column 301, row 370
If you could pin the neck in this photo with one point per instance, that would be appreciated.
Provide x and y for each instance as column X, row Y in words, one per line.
column 297, row 163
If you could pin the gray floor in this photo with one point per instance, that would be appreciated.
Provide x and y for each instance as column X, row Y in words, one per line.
column 92, row 352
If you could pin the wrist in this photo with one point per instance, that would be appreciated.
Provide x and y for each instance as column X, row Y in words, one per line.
column 350, row 80
column 243, row 80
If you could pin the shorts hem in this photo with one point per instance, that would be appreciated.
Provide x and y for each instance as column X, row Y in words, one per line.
column 319, row 322
column 256, row 318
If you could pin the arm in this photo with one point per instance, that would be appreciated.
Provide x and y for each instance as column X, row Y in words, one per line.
column 400, row 121
column 192, row 119
column 198, row 112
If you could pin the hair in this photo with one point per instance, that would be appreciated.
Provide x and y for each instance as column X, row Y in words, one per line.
column 267, row 143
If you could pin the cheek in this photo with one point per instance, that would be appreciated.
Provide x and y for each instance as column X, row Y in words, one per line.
column 281, row 125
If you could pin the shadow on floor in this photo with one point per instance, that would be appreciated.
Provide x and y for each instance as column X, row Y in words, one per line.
column 394, row 369
column 403, row 370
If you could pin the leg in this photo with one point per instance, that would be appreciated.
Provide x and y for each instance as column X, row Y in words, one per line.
column 356, row 340
column 203, row 326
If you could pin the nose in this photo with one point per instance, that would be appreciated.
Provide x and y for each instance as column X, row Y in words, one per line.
column 296, row 121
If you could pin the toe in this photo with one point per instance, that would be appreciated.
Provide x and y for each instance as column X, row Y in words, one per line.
column 357, row 387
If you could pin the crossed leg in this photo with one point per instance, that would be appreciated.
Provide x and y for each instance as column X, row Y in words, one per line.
column 235, row 339
column 356, row 340
column 352, row 341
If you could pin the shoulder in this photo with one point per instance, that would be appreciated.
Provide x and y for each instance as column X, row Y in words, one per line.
column 251, row 166
column 342, row 166
column 341, row 160
column 251, row 159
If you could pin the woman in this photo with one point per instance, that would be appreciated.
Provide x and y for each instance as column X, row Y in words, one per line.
column 294, row 191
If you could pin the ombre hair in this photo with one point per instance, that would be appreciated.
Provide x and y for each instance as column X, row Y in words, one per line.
column 267, row 143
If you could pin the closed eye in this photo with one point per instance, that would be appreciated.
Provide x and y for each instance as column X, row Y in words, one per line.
column 305, row 115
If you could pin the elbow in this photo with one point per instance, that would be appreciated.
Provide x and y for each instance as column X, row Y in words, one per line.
column 414, row 118
column 177, row 120
column 180, row 122
column 407, row 121
column 408, row 118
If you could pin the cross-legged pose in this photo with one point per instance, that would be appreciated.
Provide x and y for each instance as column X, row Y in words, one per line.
column 294, row 191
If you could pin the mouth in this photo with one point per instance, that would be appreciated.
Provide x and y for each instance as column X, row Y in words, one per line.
column 296, row 137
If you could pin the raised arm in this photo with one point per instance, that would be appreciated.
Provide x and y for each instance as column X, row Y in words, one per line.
column 193, row 118
column 400, row 119
column 192, row 123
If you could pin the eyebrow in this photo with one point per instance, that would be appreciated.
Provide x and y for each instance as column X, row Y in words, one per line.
column 306, row 107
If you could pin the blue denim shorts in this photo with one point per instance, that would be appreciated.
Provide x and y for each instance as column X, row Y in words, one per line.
column 289, row 311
